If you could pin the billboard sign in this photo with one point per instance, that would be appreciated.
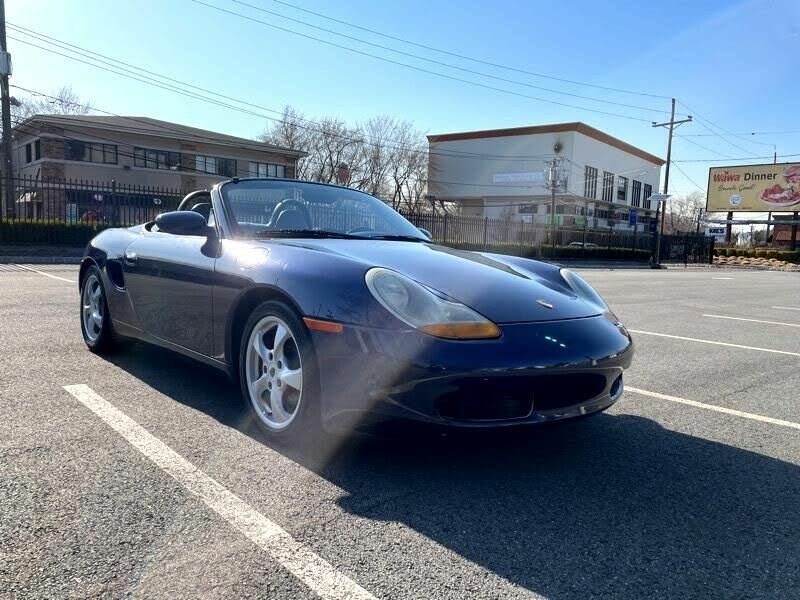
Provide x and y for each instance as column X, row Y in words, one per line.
column 754, row 188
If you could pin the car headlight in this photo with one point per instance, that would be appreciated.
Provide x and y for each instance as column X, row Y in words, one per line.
column 582, row 289
column 586, row 292
column 419, row 307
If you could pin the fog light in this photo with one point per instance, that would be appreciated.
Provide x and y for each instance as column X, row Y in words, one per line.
column 616, row 388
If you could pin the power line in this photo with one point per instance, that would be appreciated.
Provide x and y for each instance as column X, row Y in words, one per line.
column 706, row 148
column 709, row 160
column 701, row 119
column 416, row 68
column 24, row 125
column 441, row 63
column 464, row 57
column 747, row 133
column 692, row 181
column 150, row 81
column 128, row 73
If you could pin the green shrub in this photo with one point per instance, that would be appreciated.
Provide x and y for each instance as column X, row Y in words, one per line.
column 47, row 232
column 761, row 254
column 792, row 256
column 772, row 254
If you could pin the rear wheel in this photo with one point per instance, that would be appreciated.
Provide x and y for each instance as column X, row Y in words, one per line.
column 95, row 318
column 277, row 368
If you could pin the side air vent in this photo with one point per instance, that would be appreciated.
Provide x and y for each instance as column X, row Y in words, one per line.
column 114, row 270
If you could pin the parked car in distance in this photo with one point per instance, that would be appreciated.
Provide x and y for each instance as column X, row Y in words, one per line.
column 583, row 245
column 331, row 310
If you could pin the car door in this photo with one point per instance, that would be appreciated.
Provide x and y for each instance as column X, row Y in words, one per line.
column 170, row 278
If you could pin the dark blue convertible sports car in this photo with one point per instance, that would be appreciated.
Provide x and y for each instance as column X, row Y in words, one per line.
column 332, row 310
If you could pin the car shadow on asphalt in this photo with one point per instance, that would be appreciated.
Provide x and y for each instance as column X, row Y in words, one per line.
column 611, row 506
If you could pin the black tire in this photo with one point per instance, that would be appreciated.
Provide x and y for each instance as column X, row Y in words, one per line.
column 99, row 339
column 305, row 427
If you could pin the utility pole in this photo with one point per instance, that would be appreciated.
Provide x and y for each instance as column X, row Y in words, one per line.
column 672, row 124
column 5, row 107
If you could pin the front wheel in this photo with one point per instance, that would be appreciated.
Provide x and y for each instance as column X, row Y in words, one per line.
column 95, row 318
column 277, row 369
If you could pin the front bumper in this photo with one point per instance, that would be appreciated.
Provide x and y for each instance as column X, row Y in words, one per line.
column 534, row 373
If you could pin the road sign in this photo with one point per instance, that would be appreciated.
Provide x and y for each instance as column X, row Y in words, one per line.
column 632, row 217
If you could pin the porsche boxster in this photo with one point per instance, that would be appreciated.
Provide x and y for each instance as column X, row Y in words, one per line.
column 332, row 310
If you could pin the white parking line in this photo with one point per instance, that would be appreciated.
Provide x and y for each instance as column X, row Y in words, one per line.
column 753, row 320
column 47, row 274
column 720, row 409
column 311, row 569
column 722, row 278
column 786, row 307
column 689, row 339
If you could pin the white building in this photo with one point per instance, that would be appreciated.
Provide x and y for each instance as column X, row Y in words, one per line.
column 502, row 173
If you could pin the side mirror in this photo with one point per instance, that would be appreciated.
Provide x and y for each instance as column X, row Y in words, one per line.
column 183, row 222
column 425, row 232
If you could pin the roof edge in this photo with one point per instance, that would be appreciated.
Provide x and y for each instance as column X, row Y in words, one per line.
column 574, row 126
column 234, row 142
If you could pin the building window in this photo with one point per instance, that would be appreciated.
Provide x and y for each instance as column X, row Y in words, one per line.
column 156, row 159
column 28, row 152
column 590, row 182
column 608, row 186
column 258, row 169
column 648, row 191
column 622, row 189
column 636, row 193
column 226, row 167
column 37, row 149
column 215, row 166
column 90, row 152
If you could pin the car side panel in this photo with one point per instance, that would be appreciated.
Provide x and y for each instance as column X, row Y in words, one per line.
column 107, row 250
column 317, row 284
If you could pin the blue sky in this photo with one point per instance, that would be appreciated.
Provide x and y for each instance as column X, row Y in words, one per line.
column 734, row 62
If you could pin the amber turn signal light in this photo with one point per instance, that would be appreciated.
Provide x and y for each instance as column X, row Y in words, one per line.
column 463, row 331
column 320, row 325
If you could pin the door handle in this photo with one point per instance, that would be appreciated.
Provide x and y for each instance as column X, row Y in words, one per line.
column 130, row 258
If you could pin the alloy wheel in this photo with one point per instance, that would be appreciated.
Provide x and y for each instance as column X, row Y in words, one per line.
column 274, row 373
column 92, row 308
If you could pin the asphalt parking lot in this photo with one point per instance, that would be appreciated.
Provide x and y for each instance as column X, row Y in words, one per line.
column 147, row 481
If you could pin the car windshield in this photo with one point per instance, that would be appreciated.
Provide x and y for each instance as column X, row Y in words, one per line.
column 267, row 208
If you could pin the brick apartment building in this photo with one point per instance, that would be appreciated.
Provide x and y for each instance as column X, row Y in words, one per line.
column 130, row 151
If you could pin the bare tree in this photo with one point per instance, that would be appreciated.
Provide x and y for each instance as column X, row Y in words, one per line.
column 682, row 212
column 382, row 156
column 64, row 101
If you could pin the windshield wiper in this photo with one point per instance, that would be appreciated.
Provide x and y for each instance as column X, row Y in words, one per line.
column 397, row 238
column 306, row 233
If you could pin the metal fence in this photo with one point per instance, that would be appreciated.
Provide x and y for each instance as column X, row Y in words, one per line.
column 481, row 233
column 88, row 202
column 72, row 211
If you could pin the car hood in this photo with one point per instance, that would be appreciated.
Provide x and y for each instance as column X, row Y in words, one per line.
column 503, row 289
